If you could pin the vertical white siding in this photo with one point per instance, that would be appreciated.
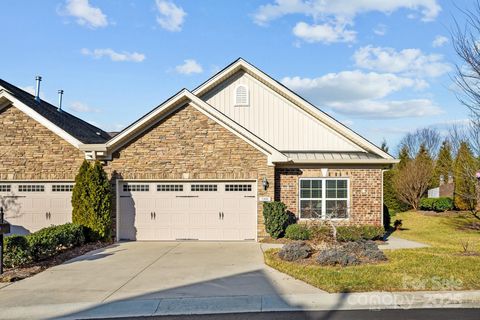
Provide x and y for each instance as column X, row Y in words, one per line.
column 275, row 119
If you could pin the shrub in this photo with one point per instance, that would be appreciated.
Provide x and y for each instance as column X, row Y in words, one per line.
column 355, row 233
column 276, row 218
column 16, row 251
column 49, row 241
column 436, row 204
column 92, row 200
column 295, row 251
column 297, row 232
column 320, row 233
column 351, row 253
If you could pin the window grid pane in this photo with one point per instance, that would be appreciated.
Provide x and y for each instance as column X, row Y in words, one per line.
column 170, row 187
column 314, row 205
column 5, row 188
column 238, row 187
column 136, row 187
column 31, row 188
column 62, row 188
column 203, row 187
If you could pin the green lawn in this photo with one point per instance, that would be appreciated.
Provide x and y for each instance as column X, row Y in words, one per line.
column 439, row 267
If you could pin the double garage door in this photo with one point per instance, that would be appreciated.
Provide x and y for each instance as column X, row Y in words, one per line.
column 31, row 206
column 187, row 210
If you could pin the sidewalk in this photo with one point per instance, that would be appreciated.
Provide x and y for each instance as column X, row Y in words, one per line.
column 259, row 303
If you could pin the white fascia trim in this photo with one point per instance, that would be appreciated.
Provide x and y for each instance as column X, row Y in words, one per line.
column 319, row 115
column 39, row 118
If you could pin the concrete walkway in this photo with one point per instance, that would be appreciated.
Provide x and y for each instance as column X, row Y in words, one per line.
column 394, row 243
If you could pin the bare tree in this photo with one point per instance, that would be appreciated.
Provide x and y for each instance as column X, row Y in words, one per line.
column 412, row 181
column 428, row 137
column 466, row 43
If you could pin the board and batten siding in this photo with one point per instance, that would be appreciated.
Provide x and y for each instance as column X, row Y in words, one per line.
column 275, row 119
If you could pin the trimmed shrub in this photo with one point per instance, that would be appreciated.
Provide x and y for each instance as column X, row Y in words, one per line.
column 356, row 233
column 276, row 218
column 436, row 204
column 295, row 251
column 16, row 251
column 297, row 232
column 351, row 253
column 320, row 233
column 49, row 241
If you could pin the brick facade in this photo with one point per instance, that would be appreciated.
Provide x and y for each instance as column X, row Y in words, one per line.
column 365, row 191
column 190, row 146
column 30, row 151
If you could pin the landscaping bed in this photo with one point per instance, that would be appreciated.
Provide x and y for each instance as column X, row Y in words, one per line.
column 446, row 265
column 19, row 273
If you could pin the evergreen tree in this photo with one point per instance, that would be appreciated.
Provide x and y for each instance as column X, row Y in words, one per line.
column 91, row 200
column 79, row 195
column 444, row 164
column 403, row 156
column 465, row 181
column 100, row 201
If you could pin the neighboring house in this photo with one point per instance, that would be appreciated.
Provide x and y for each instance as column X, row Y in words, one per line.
column 199, row 165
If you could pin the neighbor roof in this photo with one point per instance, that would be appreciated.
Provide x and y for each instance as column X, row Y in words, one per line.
column 77, row 128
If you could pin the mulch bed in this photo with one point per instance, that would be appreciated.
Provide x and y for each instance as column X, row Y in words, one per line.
column 16, row 274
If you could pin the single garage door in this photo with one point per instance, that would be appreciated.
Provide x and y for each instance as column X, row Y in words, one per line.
column 188, row 210
column 31, row 206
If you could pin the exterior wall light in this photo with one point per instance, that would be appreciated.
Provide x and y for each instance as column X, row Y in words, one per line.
column 265, row 183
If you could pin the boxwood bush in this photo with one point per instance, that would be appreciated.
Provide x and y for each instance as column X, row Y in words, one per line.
column 276, row 218
column 356, row 233
column 436, row 204
column 297, row 232
column 47, row 242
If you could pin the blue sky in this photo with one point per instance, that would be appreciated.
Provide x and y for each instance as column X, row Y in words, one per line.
column 381, row 67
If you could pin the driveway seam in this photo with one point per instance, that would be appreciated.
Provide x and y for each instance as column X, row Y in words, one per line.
column 139, row 272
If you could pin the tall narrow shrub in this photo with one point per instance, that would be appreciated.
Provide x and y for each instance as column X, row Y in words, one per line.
column 80, row 195
column 465, row 195
column 444, row 164
column 276, row 218
column 100, row 201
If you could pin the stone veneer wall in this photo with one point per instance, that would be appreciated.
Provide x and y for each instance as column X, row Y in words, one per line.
column 365, row 191
column 188, row 145
column 30, row 151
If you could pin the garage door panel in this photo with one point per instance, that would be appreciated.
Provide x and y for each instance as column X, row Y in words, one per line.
column 195, row 210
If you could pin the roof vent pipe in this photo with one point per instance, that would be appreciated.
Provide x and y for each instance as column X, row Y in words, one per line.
column 37, row 88
column 60, row 96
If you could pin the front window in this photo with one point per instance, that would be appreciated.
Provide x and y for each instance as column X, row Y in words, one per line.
column 323, row 198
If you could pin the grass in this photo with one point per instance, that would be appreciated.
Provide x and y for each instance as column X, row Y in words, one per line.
column 439, row 267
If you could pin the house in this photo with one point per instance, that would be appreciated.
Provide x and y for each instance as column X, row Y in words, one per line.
column 199, row 166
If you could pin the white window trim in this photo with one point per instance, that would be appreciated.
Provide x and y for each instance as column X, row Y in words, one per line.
column 323, row 199
column 235, row 102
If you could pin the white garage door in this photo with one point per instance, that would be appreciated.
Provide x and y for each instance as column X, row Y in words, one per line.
column 32, row 206
column 193, row 210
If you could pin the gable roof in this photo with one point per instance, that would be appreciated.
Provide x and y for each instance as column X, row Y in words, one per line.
column 181, row 99
column 81, row 131
column 241, row 64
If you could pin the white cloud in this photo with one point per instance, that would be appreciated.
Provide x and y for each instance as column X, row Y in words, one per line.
column 366, row 95
column 388, row 109
column 189, row 66
column 330, row 17
column 171, row 17
column 406, row 61
column 380, row 29
column 81, row 107
column 439, row 41
column 113, row 55
column 348, row 86
column 326, row 33
column 85, row 14
column 343, row 9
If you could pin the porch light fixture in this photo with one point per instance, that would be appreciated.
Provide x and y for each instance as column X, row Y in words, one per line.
column 265, row 183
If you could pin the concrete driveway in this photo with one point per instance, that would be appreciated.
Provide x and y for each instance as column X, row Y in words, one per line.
column 156, row 276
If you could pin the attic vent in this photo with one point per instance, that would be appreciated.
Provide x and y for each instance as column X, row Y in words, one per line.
column 241, row 95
